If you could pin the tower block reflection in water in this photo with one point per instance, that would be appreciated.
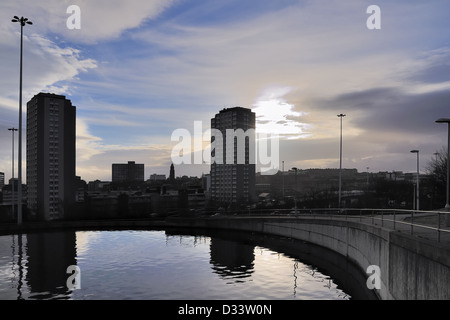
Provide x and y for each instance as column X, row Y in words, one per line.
column 49, row 255
column 51, row 123
column 232, row 260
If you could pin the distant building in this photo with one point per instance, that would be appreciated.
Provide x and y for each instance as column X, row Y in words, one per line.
column 98, row 185
column 158, row 177
column 233, row 183
column 2, row 180
column 10, row 192
column 206, row 182
column 51, row 125
column 127, row 172
column 172, row 173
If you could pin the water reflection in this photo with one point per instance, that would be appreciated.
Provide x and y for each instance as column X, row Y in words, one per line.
column 295, row 277
column 231, row 260
column 49, row 255
column 17, row 268
column 166, row 265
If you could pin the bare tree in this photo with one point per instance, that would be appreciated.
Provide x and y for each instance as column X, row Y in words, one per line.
column 437, row 169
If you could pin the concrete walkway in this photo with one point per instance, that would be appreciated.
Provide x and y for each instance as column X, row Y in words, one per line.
column 424, row 225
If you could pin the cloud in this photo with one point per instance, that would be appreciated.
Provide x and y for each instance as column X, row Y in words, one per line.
column 275, row 116
column 88, row 145
column 46, row 66
column 95, row 156
column 104, row 19
column 384, row 122
column 99, row 165
column 322, row 50
column 100, row 19
column 407, row 107
column 430, row 67
column 49, row 66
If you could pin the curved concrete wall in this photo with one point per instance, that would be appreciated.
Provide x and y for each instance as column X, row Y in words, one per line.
column 410, row 268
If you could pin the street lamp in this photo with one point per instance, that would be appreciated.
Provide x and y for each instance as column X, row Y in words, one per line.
column 367, row 179
column 340, row 162
column 23, row 21
column 282, row 176
column 295, row 193
column 417, row 183
column 436, row 155
column 12, row 172
column 443, row 120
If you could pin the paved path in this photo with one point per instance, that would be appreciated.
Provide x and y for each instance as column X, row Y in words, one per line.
column 425, row 225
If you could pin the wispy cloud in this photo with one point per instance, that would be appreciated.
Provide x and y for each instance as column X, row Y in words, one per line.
column 95, row 156
column 100, row 20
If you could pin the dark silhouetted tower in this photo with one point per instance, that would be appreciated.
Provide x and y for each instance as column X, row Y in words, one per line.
column 51, row 125
column 233, row 178
column 172, row 173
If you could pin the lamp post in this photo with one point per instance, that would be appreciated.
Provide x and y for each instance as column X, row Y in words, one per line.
column 340, row 162
column 12, row 172
column 447, row 204
column 436, row 155
column 282, row 176
column 295, row 193
column 417, row 182
column 367, row 179
column 23, row 21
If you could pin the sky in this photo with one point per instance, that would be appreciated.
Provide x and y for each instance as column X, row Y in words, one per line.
column 138, row 70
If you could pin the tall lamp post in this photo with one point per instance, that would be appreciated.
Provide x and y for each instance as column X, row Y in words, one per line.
column 367, row 179
column 447, row 204
column 417, row 182
column 282, row 176
column 436, row 155
column 23, row 21
column 295, row 194
column 12, row 172
column 340, row 162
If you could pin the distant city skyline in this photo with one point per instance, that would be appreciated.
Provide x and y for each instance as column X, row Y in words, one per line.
column 138, row 70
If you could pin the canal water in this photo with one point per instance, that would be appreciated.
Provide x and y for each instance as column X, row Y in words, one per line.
column 169, row 265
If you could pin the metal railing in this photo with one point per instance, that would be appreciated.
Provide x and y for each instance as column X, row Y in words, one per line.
column 425, row 224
